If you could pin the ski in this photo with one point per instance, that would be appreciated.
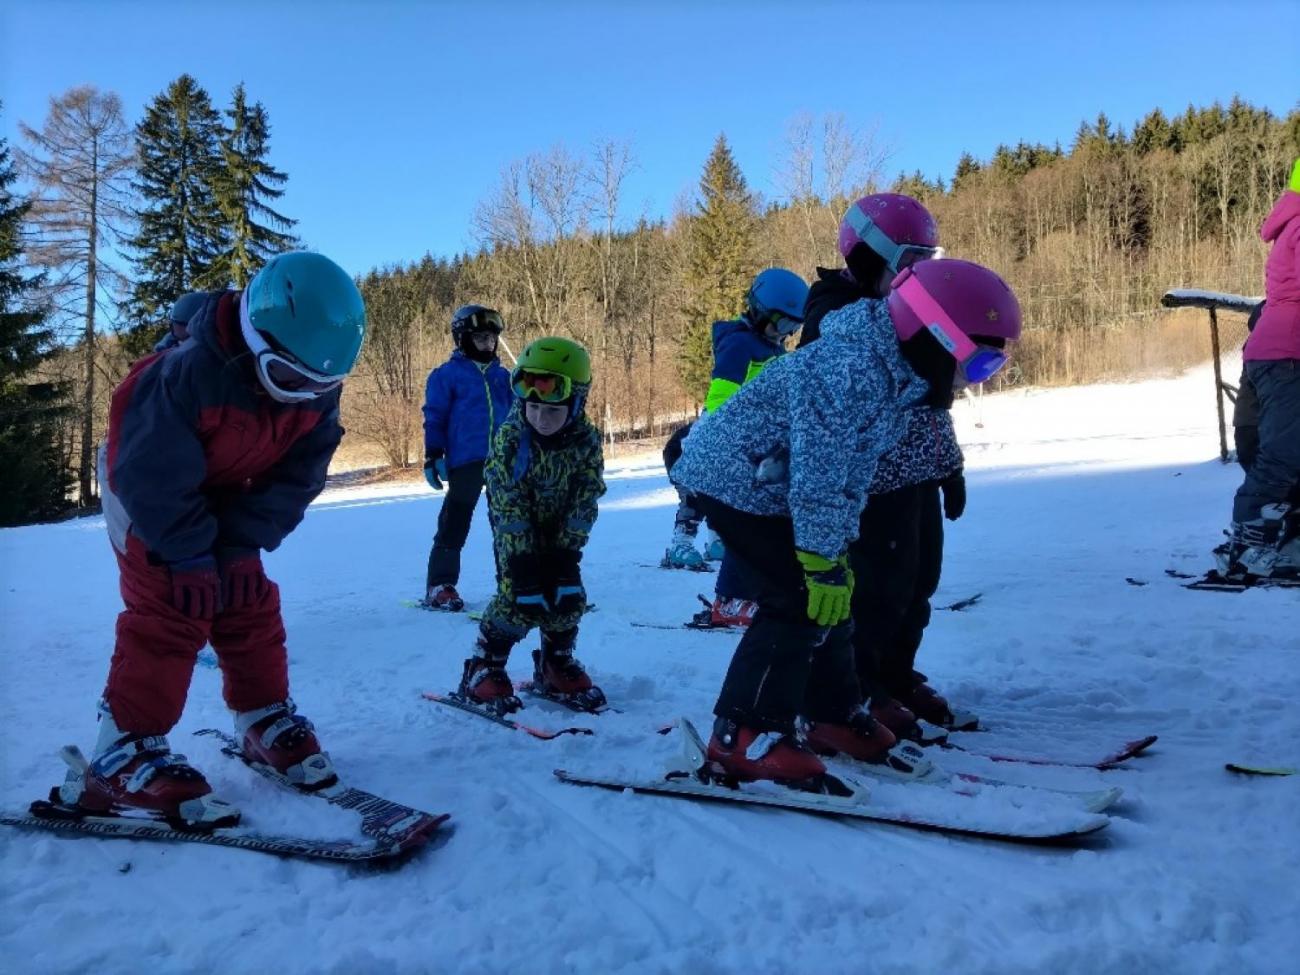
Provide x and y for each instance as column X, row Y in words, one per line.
column 692, row 625
column 456, row 701
column 381, row 818
column 477, row 614
column 1274, row 770
column 970, row 785
column 581, row 703
column 428, row 607
column 56, row 816
column 1215, row 581
column 702, row 567
column 962, row 604
column 1107, row 761
column 702, row 782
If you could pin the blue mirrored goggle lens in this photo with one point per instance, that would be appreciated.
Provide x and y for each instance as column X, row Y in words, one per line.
column 983, row 365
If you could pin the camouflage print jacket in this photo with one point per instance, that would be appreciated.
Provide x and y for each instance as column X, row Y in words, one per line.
column 542, row 492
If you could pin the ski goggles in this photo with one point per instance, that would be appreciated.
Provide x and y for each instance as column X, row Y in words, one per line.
column 899, row 257
column 544, row 387
column 779, row 322
column 285, row 378
column 486, row 320
column 978, row 363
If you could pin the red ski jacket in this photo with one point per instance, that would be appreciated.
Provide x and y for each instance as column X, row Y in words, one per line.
column 199, row 457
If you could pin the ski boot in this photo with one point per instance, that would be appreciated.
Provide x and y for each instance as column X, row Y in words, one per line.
column 558, row 675
column 139, row 775
column 278, row 737
column 732, row 612
column 445, row 598
column 739, row 753
column 714, row 550
column 929, row 705
column 1260, row 548
column 682, row 554
column 865, row 739
column 898, row 719
column 484, row 682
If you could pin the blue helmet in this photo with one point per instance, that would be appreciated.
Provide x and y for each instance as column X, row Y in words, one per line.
column 776, row 298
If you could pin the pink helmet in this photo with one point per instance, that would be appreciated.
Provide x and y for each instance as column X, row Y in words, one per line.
column 896, row 227
column 957, row 301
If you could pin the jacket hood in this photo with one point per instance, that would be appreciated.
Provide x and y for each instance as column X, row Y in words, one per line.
column 216, row 325
column 1286, row 210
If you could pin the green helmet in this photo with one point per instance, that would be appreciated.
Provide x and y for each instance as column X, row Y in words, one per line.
column 305, row 305
column 559, row 357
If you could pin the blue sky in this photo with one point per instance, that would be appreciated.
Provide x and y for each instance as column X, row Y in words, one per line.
column 393, row 119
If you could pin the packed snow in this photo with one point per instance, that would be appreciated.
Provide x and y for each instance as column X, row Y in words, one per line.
column 1080, row 499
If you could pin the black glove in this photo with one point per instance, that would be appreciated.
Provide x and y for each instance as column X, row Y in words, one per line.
column 954, row 496
column 570, row 597
column 525, row 574
column 435, row 468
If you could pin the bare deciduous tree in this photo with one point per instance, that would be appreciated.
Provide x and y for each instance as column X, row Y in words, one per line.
column 80, row 161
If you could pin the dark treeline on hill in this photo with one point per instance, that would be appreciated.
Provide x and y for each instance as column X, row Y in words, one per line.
column 1088, row 234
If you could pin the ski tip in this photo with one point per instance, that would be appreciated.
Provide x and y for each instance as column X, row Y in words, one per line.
column 1267, row 770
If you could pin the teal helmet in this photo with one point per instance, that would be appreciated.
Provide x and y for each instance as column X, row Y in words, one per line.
column 304, row 320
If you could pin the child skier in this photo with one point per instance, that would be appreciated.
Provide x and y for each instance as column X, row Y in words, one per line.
column 742, row 347
column 214, row 450
column 544, row 477
column 781, row 471
column 466, row 400
column 898, row 555
column 1264, row 539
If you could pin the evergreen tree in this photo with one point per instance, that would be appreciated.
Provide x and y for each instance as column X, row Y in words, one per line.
column 721, row 260
column 181, row 229
column 967, row 167
column 34, row 480
column 256, row 232
column 1154, row 132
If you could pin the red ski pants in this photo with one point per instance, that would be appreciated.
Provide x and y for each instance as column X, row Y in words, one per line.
column 153, row 658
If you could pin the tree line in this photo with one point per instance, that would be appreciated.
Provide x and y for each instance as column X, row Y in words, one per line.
column 119, row 223
column 1089, row 235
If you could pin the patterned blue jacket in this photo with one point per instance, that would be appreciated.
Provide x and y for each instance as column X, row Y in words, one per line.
column 802, row 439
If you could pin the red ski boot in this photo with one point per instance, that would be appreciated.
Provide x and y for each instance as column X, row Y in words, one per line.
column 929, row 705
column 865, row 739
column 279, row 737
column 744, row 754
column 557, row 674
column 138, row 775
column 898, row 719
column 445, row 598
column 732, row 612
column 861, row 737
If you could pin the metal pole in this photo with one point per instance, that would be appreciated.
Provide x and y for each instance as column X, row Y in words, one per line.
column 1218, row 386
column 502, row 342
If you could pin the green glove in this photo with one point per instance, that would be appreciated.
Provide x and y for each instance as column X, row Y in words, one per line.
column 830, row 587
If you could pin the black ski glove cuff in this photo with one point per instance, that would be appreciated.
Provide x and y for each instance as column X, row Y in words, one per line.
column 954, row 496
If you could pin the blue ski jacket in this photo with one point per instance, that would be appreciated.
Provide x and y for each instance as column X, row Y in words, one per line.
column 802, row 439
column 739, row 354
column 465, row 403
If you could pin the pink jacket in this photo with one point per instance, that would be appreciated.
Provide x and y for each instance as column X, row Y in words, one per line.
column 1277, row 334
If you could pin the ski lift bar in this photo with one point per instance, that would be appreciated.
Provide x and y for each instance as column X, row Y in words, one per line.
column 1213, row 301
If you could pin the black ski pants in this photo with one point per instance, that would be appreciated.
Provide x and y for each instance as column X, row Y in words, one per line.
column 785, row 664
column 896, row 560
column 464, row 485
column 1275, row 472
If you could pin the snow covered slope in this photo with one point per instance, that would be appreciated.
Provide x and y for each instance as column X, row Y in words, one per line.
column 1071, row 491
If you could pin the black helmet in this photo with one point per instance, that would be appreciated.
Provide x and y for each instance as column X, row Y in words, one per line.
column 475, row 318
